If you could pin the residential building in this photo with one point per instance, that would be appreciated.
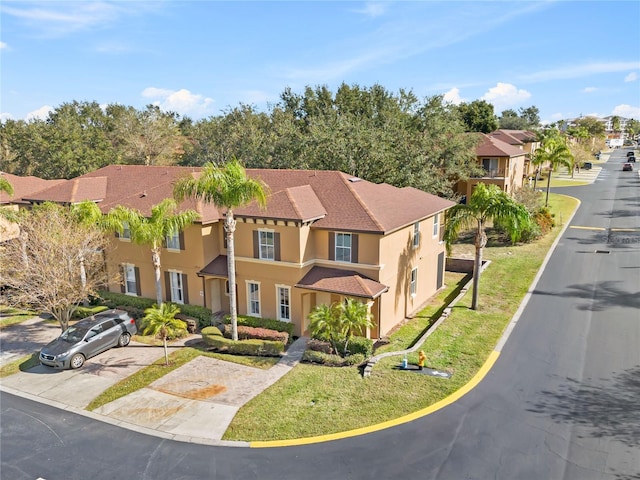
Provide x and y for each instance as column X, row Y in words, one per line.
column 324, row 236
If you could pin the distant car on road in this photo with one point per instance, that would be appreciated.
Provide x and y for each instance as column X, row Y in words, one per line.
column 630, row 153
column 627, row 167
column 89, row 337
column 631, row 159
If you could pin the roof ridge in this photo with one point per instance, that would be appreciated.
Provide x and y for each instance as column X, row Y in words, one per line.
column 364, row 286
column 294, row 204
column 360, row 201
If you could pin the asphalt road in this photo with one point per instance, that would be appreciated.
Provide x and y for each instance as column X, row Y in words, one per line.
column 561, row 402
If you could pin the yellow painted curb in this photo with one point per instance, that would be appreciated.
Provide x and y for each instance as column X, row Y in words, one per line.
column 587, row 228
column 390, row 423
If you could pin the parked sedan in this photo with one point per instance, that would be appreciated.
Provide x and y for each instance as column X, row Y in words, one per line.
column 89, row 337
column 627, row 167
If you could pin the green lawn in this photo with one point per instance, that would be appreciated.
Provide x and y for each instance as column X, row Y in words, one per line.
column 20, row 365
column 313, row 400
column 11, row 316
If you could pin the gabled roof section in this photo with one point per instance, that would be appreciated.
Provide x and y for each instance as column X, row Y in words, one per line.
column 216, row 268
column 343, row 282
column 73, row 191
column 514, row 137
column 493, row 147
column 24, row 186
column 295, row 203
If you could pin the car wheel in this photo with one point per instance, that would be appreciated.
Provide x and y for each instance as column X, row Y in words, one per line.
column 124, row 340
column 77, row 361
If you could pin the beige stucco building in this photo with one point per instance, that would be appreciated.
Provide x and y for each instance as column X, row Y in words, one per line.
column 323, row 236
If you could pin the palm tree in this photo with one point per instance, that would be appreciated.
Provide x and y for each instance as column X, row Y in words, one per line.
column 555, row 152
column 338, row 322
column 161, row 321
column 487, row 203
column 154, row 230
column 355, row 318
column 5, row 186
column 324, row 323
column 89, row 214
column 228, row 187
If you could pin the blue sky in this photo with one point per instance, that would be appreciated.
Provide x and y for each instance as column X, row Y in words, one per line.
column 199, row 58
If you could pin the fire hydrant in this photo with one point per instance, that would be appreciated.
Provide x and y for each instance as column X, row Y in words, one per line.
column 421, row 358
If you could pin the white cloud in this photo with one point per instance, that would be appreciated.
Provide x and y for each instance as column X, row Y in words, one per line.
column 453, row 96
column 505, row 95
column 4, row 46
column 632, row 77
column 373, row 9
column 40, row 114
column 627, row 111
column 577, row 71
column 180, row 101
column 589, row 89
column 5, row 116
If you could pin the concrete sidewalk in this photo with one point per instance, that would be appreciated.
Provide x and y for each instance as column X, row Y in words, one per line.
column 195, row 402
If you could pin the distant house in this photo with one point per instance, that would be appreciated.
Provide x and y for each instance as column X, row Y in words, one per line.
column 323, row 237
column 504, row 160
column 22, row 187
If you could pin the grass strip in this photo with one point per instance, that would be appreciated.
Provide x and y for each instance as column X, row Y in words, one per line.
column 313, row 400
column 22, row 364
column 11, row 316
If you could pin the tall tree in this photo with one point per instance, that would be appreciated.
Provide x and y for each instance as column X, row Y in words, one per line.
column 487, row 203
column 228, row 187
column 161, row 321
column 478, row 116
column 554, row 152
column 41, row 270
column 164, row 221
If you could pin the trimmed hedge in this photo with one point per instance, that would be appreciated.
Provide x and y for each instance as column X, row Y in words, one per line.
column 83, row 312
column 267, row 323
column 246, row 333
column 358, row 345
column 137, row 305
column 311, row 356
column 254, row 347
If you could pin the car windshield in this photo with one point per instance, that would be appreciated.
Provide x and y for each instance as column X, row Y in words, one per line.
column 74, row 334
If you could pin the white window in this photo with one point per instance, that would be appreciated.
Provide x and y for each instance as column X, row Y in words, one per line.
column 266, row 240
column 343, row 247
column 126, row 232
column 416, row 235
column 177, row 288
column 413, row 287
column 253, row 299
column 284, row 303
column 130, row 285
column 436, row 224
column 173, row 241
column 490, row 166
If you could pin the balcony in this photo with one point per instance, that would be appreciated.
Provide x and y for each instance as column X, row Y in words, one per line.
column 493, row 173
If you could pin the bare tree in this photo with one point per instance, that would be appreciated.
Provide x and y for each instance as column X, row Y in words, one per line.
column 41, row 268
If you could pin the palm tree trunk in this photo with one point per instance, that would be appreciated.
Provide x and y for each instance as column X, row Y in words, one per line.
column 480, row 241
column 546, row 201
column 155, row 258
column 230, row 227
column 166, row 351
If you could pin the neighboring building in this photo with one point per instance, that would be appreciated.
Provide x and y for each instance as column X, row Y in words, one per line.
column 22, row 186
column 504, row 164
column 323, row 236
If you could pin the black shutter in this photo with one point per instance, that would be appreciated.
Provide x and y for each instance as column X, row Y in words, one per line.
column 440, row 273
column 117, row 234
column 354, row 248
column 138, row 286
column 256, row 246
column 276, row 246
column 167, row 286
column 181, row 240
column 185, row 290
column 224, row 239
column 332, row 246
column 122, row 279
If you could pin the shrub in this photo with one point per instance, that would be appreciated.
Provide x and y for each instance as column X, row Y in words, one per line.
column 245, row 333
column 319, row 346
column 329, row 360
column 358, row 345
column 259, row 348
column 203, row 315
column 82, row 312
column 268, row 323
column 114, row 300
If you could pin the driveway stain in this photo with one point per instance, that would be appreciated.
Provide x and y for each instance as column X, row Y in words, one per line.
column 200, row 393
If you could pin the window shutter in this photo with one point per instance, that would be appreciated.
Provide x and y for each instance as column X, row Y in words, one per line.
column 354, row 248
column 224, row 239
column 185, row 290
column 276, row 246
column 117, row 234
column 138, row 286
column 256, row 246
column 332, row 246
column 181, row 240
column 122, row 279
column 441, row 232
column 167, row 285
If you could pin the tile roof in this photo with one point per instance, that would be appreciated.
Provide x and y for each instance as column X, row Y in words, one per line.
column 514, row 137
column 493, row 147
column 344, row 282
column 24, row 186
column 338, row 201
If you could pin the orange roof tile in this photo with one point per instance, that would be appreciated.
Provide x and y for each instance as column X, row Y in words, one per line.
column 344, row 282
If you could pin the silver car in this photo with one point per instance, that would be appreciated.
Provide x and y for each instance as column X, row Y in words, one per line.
column 89, row 337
